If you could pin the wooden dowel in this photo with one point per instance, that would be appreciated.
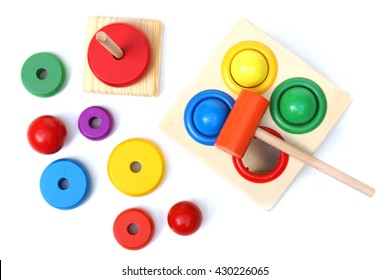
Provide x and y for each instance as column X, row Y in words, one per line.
column 109, row 44
column 314, row 162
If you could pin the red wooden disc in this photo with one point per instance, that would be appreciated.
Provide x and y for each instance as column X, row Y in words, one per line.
column 131, row 67
column 133, row 239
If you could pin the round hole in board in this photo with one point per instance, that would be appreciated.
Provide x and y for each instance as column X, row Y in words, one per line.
column 260, row 157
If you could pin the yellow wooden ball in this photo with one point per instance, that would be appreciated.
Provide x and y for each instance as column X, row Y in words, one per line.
column 249, row 68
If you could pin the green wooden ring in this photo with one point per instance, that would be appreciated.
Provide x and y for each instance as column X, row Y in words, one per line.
column 43, row 74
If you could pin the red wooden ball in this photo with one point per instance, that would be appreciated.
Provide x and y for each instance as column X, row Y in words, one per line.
column 184, row 218
column 46, row 134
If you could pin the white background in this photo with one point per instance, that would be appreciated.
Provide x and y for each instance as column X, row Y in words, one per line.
column 320, row 229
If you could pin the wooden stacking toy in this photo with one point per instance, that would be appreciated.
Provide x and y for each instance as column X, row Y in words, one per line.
column 123, row 56
column 252, row 80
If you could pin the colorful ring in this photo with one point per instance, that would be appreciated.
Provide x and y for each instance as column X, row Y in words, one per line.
column 133, row 229
column 128, row 69
column 136, row 167
column 289, row 84
column 95, row 123
column 267, row 176
column 199, row 106
column 64, row 184
column 43, row 74
column 258, row 47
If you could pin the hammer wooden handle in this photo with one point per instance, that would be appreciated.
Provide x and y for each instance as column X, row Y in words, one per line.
column 314, row 162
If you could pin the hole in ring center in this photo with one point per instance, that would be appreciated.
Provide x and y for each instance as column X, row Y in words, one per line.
column 63, row 184
column 133, row 229
column 42, row 73
column 260, row 157
column 135, row 166
column 95, row 122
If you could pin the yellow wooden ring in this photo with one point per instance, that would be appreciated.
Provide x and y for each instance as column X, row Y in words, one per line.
column 243, row 46
column 136, row 167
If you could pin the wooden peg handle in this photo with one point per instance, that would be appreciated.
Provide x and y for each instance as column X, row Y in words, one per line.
column 109, row 44
column 314, row 162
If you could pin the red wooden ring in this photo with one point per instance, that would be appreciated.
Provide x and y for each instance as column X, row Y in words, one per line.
column 143, row 233
column 131, row 67
column 263, row 177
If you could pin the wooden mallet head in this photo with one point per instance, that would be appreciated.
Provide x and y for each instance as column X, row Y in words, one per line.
column 242, row 123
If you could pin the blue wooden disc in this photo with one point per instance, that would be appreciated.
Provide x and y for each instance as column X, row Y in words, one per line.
column 64, row 184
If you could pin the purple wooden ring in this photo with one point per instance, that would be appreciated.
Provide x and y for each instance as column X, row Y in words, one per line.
column 95, row 123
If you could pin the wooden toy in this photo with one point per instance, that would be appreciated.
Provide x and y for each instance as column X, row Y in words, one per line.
column 108, row 61
column 263, row 177
column 282, row 65
column 242, row 124
column 202, row 127
column 43, row 74
column 298, row 105
column 64, row 184
column 95, row 123
column 136, row 167
column 123, row 56
column 46, row 134
column 133, row 229
column 249, row 64
column 184, row 218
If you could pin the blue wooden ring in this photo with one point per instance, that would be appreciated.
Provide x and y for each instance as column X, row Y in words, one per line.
column 64, row 184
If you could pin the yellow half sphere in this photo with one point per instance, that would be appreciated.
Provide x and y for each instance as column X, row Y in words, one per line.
column 249, row 68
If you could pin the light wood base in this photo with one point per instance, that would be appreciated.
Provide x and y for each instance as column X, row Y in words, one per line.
column 267, row 194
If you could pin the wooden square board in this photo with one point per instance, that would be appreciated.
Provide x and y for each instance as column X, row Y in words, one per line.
column 289, row 66
column 148, row 85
